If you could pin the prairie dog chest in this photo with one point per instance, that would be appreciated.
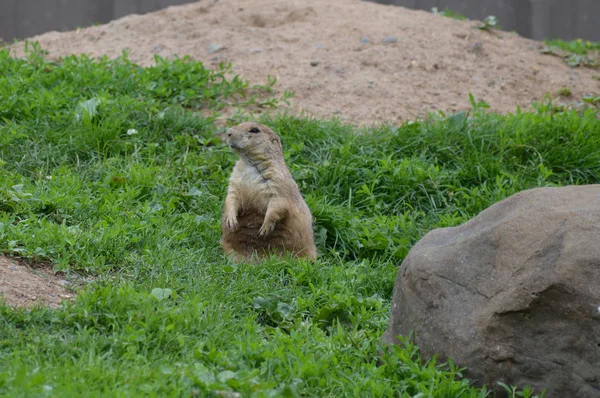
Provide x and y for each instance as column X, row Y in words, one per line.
column 253, row 189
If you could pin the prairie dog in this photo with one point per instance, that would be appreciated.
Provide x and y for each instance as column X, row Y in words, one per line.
column 264, row 211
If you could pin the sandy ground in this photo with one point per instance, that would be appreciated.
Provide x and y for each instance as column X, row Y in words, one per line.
column 22, row 286
column 360, row 61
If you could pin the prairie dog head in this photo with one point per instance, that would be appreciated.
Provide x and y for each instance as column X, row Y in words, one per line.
column 255, row 141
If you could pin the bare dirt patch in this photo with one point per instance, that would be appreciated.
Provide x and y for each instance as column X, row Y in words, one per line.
column 335, row 56
column 23, row 286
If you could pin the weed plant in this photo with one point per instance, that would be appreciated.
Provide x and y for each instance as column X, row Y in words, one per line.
column 449, row 13
column 578, row 52
column 112, row 173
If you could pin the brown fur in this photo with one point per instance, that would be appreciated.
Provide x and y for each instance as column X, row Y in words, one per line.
column 264, row 211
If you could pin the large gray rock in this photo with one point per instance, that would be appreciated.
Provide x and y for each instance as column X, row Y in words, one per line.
column 513, row 294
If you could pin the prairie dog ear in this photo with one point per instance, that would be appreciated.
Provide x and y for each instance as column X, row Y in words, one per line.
column 276, row 140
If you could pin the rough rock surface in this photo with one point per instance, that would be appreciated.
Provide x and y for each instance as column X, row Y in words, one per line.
column 513, row 294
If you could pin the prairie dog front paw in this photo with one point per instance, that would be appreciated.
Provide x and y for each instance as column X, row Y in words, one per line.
column 266, row 228
column 231, row 222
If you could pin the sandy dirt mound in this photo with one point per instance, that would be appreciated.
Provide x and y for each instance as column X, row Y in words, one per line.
column 21, row 286
column 361, row 61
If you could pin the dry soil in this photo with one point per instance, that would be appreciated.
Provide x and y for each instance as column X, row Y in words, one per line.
column 23, row 286
column 361, row 61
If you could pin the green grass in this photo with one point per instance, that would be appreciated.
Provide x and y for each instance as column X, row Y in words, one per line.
column 488, row 24
column 449, row 13
column 112, row 170
column 564, row 92
column 578, row 46
column 575, row 52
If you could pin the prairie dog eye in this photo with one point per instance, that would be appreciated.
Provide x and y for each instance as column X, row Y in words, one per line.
column 254, row 130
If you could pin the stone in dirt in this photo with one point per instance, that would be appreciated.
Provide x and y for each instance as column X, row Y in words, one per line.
column 213, row 48
column 513, row 294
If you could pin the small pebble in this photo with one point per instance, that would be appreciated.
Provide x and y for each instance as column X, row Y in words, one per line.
column 390, row 39
column 64, row 282
column 364, row 40
column 213, row 48
column 371, row 83
column 476, row 47
column 157, row 49
column 314, row 63
column 12, row 267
